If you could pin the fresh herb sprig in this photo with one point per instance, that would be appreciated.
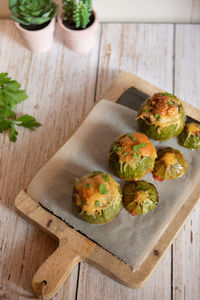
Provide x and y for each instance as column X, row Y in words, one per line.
column 10, row 96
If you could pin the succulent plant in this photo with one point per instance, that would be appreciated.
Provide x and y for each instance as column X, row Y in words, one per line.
column 33, row 12
column 77, row 12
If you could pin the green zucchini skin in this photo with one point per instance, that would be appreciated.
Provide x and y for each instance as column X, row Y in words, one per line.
column 130, row 199
column 134, row 168
column 166, row 133
column 189, row 140
column 162, row 171
column 144, row 166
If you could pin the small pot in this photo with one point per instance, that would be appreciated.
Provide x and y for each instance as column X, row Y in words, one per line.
column 38, row 40
column 79, row 40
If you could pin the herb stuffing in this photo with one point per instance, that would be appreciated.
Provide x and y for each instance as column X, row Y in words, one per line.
column 88, row 185
column 170, row 102
column 170, row 95
column 97, row 203
column 158, row 116
column 124, row 153
column 105, row 177
column 136, row 147
column 96, row 173
column 116, row 148
column 102, row 189
column 132, row 137
column 10, row 96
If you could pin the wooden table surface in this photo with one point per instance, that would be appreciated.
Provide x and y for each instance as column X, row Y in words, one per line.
column 62, row 87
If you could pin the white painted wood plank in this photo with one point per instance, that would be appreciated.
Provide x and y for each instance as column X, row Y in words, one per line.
column 146, row 50
column 186, row 258
column 61, row 89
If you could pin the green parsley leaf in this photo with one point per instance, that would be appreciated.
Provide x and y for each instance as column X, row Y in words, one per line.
column 136, row 147
column 124, row 153
column 105, row 177
column 4, row 124
column 116, row 148
column 88, row 185
column 96, row 172
column 97, row 203
column 6, row 112
column 147, row 110
column 10, row 93
column 13, row 134
column 27, row 121
column 135, row 155
column 102, row 189
column 158, row 116
column 168, row 94
column 132, row 137
column 170, row 102
column 82, row 203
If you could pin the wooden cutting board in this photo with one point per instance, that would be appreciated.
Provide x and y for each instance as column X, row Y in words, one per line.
column 74, row 247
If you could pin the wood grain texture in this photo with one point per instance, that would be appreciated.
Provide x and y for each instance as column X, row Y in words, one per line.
column 74, row 247
column 59, row 96
column 144, row 50
column 23, row 246
column 186, row 249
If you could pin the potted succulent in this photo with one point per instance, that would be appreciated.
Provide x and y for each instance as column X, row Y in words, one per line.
column 35, row 20
column 78, row 23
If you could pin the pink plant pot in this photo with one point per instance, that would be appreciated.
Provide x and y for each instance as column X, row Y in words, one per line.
column 80, row 41
column 38, row 40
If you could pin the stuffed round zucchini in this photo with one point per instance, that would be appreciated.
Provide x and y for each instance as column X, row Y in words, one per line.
column 132, row 156
column 170, row 164
column 190, row 137
column 161, row 117
column 140, row 197
column 97, row 198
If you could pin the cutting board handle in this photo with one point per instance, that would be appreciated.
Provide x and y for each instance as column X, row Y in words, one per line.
column 55, row 270
column 72, row 247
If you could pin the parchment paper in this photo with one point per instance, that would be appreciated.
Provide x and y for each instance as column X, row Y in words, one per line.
column 129, row 238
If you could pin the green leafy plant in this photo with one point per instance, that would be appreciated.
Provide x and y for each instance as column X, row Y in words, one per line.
column 10, row 96
column 33, row 12
column 77, row 12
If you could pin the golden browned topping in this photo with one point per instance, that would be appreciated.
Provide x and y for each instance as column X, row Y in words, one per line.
column 161, row 109
column 94, row 192
column 169, row 159
column 193, row 128
column 140, row 196
column 135, row 145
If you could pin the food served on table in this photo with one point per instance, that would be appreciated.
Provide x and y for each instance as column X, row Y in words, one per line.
column 97, row 197
column 190, row 137
column 170, row 164
column 131, row 156
column 161, row 117
column 140, row 197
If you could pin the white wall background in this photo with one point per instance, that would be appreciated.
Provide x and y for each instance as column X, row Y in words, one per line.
column 184, row 11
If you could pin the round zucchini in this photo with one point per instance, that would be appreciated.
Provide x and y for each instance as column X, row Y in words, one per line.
column 132, row 156
column 161, row 117
column 140, row 197
column 97, row 198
